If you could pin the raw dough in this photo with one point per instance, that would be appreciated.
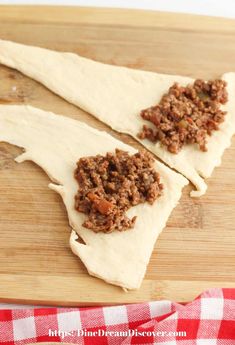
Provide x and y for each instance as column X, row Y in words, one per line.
column 116, row 95
column 55, row 143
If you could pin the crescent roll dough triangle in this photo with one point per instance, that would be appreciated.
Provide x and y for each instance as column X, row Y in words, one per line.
column 116, row 95
column 55, row 143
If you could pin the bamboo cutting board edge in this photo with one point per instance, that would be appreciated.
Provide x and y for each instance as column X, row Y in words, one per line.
column 114, row 16
column 69, row 292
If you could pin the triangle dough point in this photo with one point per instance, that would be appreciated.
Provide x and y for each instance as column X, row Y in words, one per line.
column 55, row 143
column 116, row 95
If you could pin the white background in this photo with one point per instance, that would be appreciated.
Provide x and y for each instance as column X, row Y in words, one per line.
column 224, row 8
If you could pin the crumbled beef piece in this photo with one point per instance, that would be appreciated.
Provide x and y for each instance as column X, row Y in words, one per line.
column 186, row 115
column 110, row 185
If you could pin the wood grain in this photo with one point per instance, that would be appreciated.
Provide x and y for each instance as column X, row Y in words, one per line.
column 197, row 248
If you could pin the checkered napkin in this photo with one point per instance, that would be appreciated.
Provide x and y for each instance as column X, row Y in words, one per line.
column 208, row 320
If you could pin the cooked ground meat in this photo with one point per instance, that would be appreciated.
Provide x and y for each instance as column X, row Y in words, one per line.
column 186, row 115
column 110, row 185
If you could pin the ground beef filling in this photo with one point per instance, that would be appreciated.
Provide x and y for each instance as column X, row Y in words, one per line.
column 186, row 115
column 110, row 185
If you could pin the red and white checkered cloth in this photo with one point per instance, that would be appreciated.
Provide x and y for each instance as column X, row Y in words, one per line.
column 208, row 320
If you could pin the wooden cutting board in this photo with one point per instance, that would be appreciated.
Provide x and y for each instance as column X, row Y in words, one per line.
column 196, row 250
